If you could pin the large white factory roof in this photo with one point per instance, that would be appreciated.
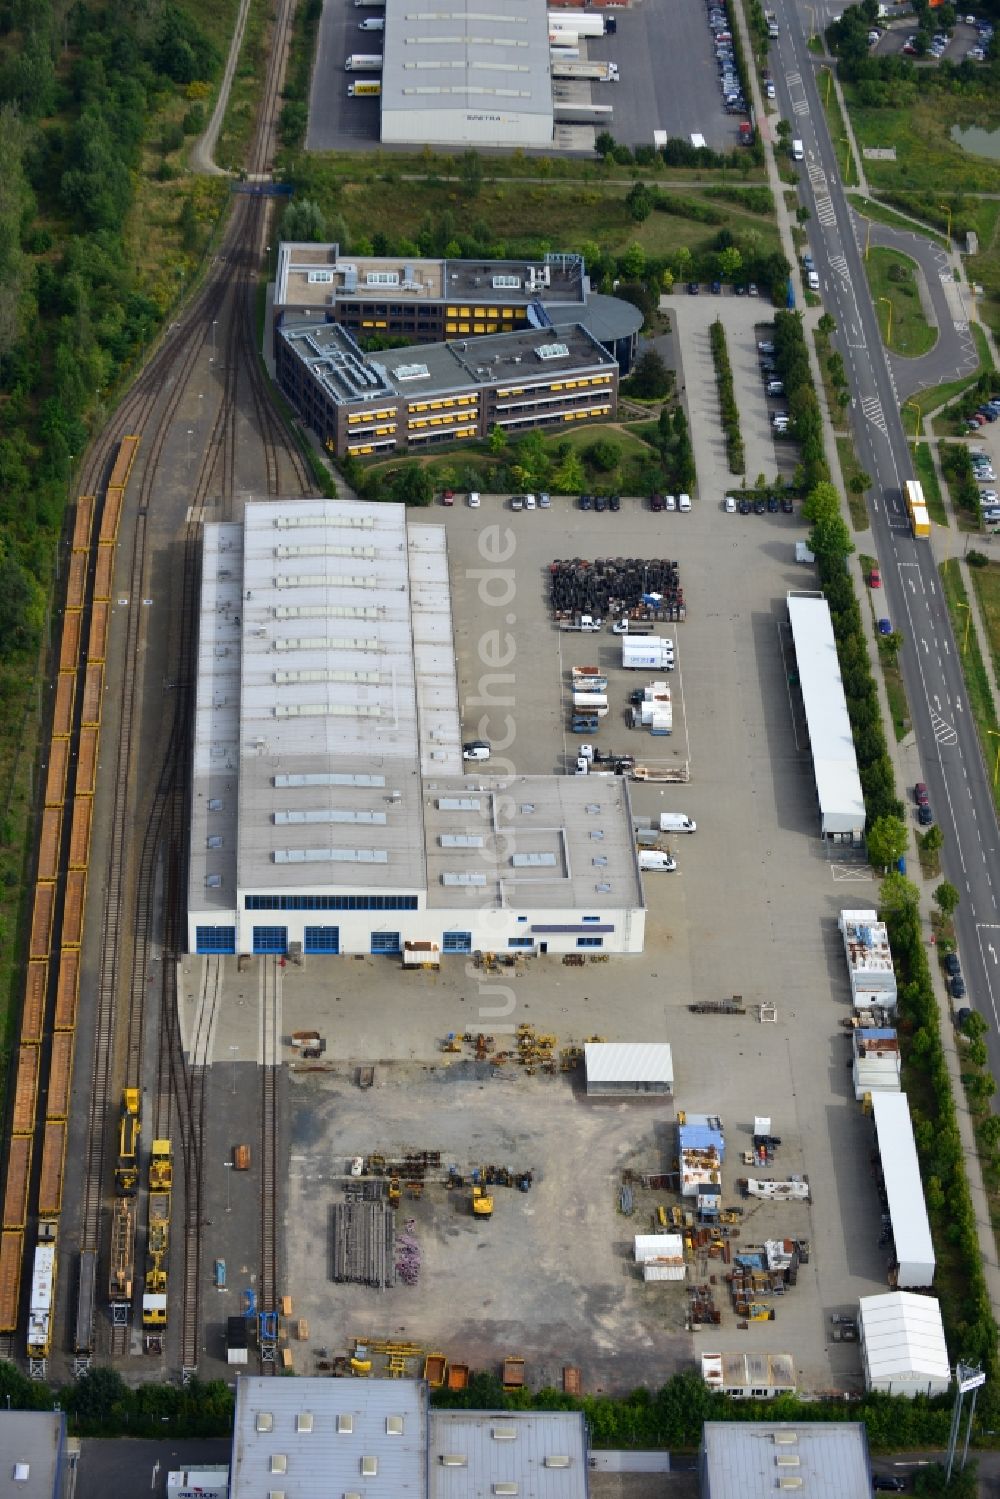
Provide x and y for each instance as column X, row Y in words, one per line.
column 835, row 764
column 911, row 1231
column 751, row 1459
column 903, row 1338
column 541, row 1453
column 462, row 56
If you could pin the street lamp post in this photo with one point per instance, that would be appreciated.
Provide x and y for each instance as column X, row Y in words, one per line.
column 847, row 166
column 868, row 237
column 888, row 329
column 215, row 324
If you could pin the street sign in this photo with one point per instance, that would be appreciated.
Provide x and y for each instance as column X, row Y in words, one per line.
column 971, row 1382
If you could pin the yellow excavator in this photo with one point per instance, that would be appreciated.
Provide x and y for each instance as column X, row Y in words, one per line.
column 482, row 1203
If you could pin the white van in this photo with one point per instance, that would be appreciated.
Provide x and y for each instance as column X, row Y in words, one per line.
column 652, row 858
column 684, row 502
column 476, row 749
column 676, row 822
column 373, row 23
column 798, row 152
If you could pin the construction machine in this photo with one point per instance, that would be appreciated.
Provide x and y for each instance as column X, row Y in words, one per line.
column 482, row 1203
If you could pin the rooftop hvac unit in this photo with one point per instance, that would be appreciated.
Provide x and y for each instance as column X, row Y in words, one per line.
column 557, row 1460
column 453, row 1460
column 504, row 1433
column 790, row 1483
column 786, row 1438
column 304, row 1419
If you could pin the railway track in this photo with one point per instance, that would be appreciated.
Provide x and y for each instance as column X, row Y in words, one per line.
column 125, row 993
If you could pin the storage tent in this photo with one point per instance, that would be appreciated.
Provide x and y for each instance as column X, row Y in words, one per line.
column 911, row 1231
column 902, row 1344
column 835, row 764
column 628, row 1069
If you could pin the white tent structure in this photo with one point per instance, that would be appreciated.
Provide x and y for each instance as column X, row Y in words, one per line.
column 902, row 1344
column 835, row 765
column 911, row 1231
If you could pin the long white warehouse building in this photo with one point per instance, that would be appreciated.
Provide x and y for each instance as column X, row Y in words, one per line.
column 331, row 812
column 835, row 764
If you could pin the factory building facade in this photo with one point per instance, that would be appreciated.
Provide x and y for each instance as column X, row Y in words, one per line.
column 332, row 812
column 363, row 404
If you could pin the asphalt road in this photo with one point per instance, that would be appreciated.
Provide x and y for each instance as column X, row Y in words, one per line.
column 945, row 733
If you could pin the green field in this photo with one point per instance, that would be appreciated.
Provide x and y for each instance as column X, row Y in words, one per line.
column 986, row 581
column 893, row 281
column 927, row 159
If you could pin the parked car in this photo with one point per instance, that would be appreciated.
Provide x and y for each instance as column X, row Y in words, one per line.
column 765, row 346
column 888, row 1484
column 693, row 288
column 874, row 578
column 770, row 91
column 920, row 794
column 615, row 502
column 586, row 502
column 476, row 749
column 772, row 504
column 884, row 626
column 730, row 504
column 447, row 497
column 957, row 986
column 952, row 964
column 787, row 508
column 925, row 816
column 717, row 289
column 745, row 507
column 758, row 506
column 517, row 502
column 670, row 503
column 600, row 503
column 544, row 502
column 656, row 502
column 752, row 289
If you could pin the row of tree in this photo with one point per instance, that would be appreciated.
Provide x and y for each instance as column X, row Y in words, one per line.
column 728, row 408
column 791, row 357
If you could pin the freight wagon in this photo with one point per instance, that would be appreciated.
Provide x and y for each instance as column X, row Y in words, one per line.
column 55, row 778
column 93, row 694
column 67, row 988
column 86, row 762
column 15, row 1197
column 111, row 515
column 104, row 572
column 79, row 835
column 83, row 1341
column 122, row 1253
column 62, row 714
column 25, row 1090
column 60, row 1075
column 48, row 844
column 41, row 921
column 69, row 645
column 11, row 1254
column 97, row 640
column 83, row 521
column 76, row 895
column 123, row 462
column 43, row 1292
column 76, row 582
column 53, row 1160
column 33, row 1011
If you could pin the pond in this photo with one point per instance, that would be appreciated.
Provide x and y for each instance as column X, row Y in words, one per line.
column 978, row 141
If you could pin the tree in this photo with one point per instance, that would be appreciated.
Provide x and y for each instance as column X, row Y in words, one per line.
column 639, row 202
column 820, row 503
column 497, row 441
column 897, row 896
column 304, row 222
column 604, row 144
column 890, row 645
column 933, row 839
column 730, row 263
column 650, row 379
column 604, row 455
column 946, row 898
column 569, row 476
column 830, row 538
column 859, row 481
column 887, row 841
column 21, row 607
column 633, row 262
column 471, row 173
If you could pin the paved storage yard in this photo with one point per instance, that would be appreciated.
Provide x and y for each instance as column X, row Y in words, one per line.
column 751, row 911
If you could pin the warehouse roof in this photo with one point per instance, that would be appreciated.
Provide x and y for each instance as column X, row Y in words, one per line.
column 419, row 370
column 835, row 764
column 629, row 1062
column 911, row 1231
column 310, row 275
column 329, row 751
column 543, row 1453
column 531, row 843
column 313, row 1437
column 749, row 1459
column 459, row 56
column 31, row 1444
column 903, row 1338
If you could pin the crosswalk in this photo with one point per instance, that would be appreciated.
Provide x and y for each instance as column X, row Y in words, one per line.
column 797, row 94
column 825, row 211
column 839, row 266
column 872, row 408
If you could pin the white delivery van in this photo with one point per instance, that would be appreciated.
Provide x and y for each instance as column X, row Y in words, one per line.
column 684, row 502
column 798, row 152
column 476, row 749
column 653, row 859
column 676, row 822
column 373, row 23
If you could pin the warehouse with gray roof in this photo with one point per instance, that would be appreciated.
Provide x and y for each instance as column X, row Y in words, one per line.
column 332, row 811
column 457, row 74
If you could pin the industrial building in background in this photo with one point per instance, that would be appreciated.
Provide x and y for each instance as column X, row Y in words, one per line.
column 429, row 300
column 334, row 809
column 754, row 1459
column 315, row 1438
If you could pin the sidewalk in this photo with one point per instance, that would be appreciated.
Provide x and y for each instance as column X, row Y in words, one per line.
column 904, row 755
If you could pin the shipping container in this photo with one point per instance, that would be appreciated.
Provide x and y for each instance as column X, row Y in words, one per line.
column 104, row 572
column 86, row 764
column 67, row 988
column 55, row 776
column 51, row 1180
column 76, row 583
column 41, row 921
column 11, row 1253
column 48, row 845
column 60, row 1075
column 83, row 521
column 33, row 1011
column 97, row 640
column 69, row 645
column 25, row 1090
column 124, row 461
column 15, row 1196
column 93, row 693
column 79, row 833
column 111, row 515
column 62, row 713
column 76, row 895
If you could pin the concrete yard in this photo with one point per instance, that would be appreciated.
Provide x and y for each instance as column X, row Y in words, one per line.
column 752, row 911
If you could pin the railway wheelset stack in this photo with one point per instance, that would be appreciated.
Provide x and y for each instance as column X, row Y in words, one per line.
column 611, row 587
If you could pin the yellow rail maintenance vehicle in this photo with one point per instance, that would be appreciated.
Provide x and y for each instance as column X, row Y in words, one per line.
column 127, row 1169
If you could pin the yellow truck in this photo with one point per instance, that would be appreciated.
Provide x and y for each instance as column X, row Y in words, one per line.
column 363, row 87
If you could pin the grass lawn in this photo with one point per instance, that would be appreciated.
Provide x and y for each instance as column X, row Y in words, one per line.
column 244, row 96
column 838, row 128
column 986, row 581
column 927, row 159
column 924, row 470
column 849, row 466
column 977, row 683
column 823, row 351
column 896, row 693
column 893, row 280
column 984, row 268
column 567, row 216
column 881, row 213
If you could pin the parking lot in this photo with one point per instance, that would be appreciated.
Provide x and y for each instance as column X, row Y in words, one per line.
column 964, row 36
column 669, row 80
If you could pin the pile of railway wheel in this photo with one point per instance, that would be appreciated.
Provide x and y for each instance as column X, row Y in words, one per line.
column 103, row 1309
